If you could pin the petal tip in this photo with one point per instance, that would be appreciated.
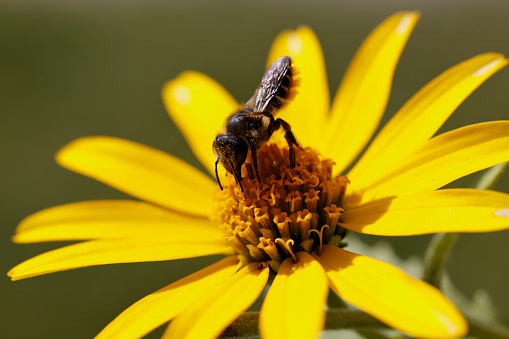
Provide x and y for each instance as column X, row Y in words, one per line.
column 177, row 84
column 457, row 328
column 304, row 29
column 407, row 22
column 499, row 62
column 181, row 94
column 504, row 213
column 63, row 153
column 16, row 239
column 13, row 274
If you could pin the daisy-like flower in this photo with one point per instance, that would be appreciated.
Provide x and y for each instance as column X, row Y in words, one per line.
column 289, row 225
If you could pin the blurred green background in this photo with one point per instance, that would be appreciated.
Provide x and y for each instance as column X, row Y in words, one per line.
column 78, row 68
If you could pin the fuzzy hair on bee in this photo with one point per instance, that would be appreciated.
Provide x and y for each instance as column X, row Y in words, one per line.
column 251, row 126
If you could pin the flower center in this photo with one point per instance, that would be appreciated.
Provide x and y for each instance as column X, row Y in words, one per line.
column 273, row 219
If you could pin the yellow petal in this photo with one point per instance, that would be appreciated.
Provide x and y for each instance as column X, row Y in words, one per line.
column 199, row 107
column 423, row 115
column 142, row 172
column 210, row 315
column 450, row 210
column 444, row 159
column 364, row 91
column 109, row 219
column 387, row 293
column 295, row 304
column 165, row 304
column 307, row 110
column 114, row 251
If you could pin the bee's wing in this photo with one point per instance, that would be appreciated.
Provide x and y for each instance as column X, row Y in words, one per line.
column 251, row 102
column 274, row 87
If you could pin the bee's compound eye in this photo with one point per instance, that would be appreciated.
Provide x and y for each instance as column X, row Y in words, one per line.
column 230, row 151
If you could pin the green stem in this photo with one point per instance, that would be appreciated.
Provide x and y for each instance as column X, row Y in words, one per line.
column 480, row 329
column 491, row 176
column 436, row 257
column 442, row 244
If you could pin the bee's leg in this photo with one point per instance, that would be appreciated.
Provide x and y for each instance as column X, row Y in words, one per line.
column 292, row 156
column 290, row 138
column 250, row 173
column 237, row 175
column 254, row 155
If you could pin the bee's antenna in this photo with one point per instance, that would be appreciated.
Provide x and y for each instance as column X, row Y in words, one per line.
column 217, row 176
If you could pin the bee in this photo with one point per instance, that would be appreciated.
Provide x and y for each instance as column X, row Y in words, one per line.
column 252, row 125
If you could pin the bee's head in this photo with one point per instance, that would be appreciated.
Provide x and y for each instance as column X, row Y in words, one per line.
column 231, row 152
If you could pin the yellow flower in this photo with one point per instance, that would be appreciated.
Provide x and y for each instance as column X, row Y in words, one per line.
column 392, row 190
